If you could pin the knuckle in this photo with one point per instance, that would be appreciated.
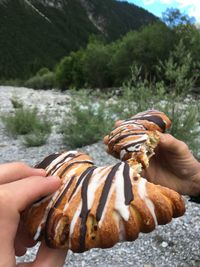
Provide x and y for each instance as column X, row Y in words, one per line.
column 183, row 146
column 21, row 165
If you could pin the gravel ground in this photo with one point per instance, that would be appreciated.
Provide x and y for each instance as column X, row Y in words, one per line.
column 175, row 244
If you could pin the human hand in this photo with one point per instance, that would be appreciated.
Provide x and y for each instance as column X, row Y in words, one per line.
column 174, row 166
column 21, row 185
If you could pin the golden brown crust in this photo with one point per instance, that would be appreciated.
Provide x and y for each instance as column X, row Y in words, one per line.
column 98, row 202
column 137, row 137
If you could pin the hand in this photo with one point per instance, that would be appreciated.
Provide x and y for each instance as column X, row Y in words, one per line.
column 18, row 189
column 174, row 166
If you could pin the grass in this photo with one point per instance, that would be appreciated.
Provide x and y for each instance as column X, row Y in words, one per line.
column 27, row 122
column 88, row 124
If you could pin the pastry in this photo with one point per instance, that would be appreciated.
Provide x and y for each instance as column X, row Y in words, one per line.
column 137, row 137
column 96, row 207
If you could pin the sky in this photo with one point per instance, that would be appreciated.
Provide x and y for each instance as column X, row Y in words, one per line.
column 189, row 7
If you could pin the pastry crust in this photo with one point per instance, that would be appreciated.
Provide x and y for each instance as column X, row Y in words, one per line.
column 96, row 207
column 136, row 138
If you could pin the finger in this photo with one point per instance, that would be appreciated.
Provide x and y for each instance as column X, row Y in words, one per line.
column 117, row 123
column 10, row 172
column 173, row 145
column 28, row 190
column 105, row 140
column 47, row 257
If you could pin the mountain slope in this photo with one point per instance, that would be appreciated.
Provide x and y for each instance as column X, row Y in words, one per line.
column 37, row 33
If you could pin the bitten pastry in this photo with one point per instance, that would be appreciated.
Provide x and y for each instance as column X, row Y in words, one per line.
column 137, row 137
column 96, row 207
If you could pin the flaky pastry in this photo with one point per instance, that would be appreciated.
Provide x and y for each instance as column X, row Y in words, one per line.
column 96, row 207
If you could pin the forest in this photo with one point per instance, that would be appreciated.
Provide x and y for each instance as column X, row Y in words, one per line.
column 104, row 64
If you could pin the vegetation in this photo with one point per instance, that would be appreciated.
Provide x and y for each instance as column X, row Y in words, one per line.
column 26, row 122
column 44, row 79
column 104, row 65
column 88, row 123
column 156, row 66
column 31, row 39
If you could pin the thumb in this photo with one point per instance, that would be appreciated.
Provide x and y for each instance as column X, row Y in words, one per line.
column 173, row 145
column 28, row 190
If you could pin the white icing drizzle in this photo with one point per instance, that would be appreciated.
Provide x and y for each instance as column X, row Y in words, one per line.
column 134, row 124
column 120, row 197
column 58, row 159
column 38, row 203
column 55, row 196
column 51, row 202
column 144, row 196
column 143, row 137
column 77, row 189
column 107, row 201
column 122, row 153
column 73, row 222
column 98, row 177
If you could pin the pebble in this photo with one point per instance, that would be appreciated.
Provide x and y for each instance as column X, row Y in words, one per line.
column 173, row 245
column 164, row 244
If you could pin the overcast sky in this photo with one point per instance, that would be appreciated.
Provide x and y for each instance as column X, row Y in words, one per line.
column 190, row 7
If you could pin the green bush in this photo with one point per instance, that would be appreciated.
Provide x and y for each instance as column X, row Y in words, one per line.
column 16, row 102
column 27, row 122
column 185, row 121
column 44, row 81
column 88, row 124
column 96, row 65
column 69, row 71
column 42, row 71
column 37, row 138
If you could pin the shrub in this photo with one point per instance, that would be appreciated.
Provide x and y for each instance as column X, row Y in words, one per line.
column 26, row 122
column 37, row 138
column 69, row 71
column 88, row 124
column 42, row 71
column 96, row 68
column 139, row 94
column 177, row 71
column 44, row 81
column 16, row 102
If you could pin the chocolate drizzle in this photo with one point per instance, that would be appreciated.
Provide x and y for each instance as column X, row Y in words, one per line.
column 84, row 210
column 74, row 163
column 155, row 119
column 128, row 193
column 135, row 143
column 79, row 181
column 118, row 139
column 56, row 167
column 64, row 192
column 43, row 164
column 105, row 191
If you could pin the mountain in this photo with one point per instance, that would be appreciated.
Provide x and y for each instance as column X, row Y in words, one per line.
column 38, row 33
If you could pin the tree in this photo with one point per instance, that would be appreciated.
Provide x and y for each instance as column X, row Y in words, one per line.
column 173, row 18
